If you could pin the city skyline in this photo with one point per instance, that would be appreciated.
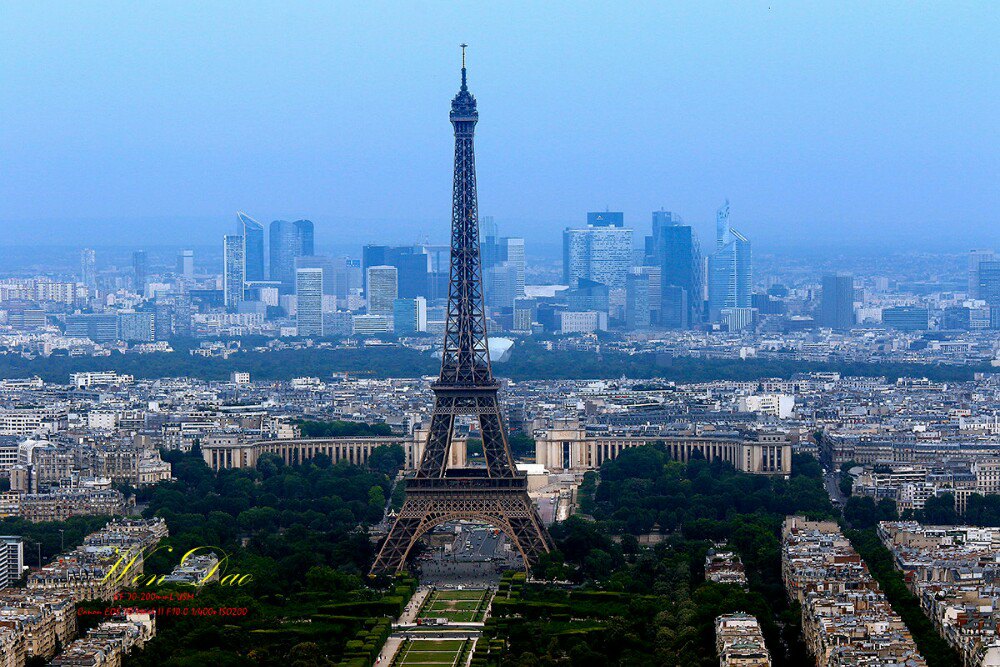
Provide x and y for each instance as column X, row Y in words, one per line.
column 832, row 140
column 423, row 439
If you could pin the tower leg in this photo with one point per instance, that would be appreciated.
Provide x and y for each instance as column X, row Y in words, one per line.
column 511, row 512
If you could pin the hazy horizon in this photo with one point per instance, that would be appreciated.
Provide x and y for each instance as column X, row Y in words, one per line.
column 845, row 124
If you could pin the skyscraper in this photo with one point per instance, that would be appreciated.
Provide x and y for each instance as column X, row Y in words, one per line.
column 371, row 255
column 675, row 307
column 637, row 300
column 253, row 246
column 232, row 271
column 326, row 265
column 288, row 241
column 675, row 250
column 837, row 305
column 383, row 288
column 588, row 295
column 976, row 257
column 988, row 288
column 139, row 271
column 599, row 253
column 413, row 267
column 503, row 260
column 513, row 252
column 88, row 269
column 729, row 268
column 501, row 280
column 309, row 301
column 489, row 246
column 409, row 316
column 348, row 276
column 185, row 263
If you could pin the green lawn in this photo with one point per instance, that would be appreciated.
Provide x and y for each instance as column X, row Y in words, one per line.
column 431, row 652
column 456, row 606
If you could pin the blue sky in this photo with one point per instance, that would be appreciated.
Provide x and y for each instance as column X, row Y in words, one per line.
column 822, row 122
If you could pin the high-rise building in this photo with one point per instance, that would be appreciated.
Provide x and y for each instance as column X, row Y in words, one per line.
column 501, row 285
column 372, row 255
column 599, row 253
column 182, row 316
column 98, row 327
column 163, row 321
column 524, row 314
column 675, row 307
column 136, row 327
column 309, row 301
column 489, row 246
column 729, row 268
column 837, row 306
column 348, row 276
column 738, row 319
column 253, row 246
column 652, row 273
column 185, row 263
column 988, row 281
column 413, row 267
column 88, row 269
column 12, row 547
column 140, row 271
column 503, row 259
column 232, row 271
column 326, row 264
column 588, row 295
column 289, row 240
column 988, row 288
column 383, row 289
column 637, row 300
column 968, row 317
column 409, row 316
column 674, row 250
column 513, row 251
column 976, row 257
column 906, row 318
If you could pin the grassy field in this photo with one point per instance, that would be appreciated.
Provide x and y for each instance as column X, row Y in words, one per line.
column 430, row 652
column 456, row 606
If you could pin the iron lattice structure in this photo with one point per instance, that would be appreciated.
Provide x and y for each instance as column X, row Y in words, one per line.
column 496, row 494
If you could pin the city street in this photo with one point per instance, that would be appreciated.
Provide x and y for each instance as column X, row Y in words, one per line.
column 831, row 481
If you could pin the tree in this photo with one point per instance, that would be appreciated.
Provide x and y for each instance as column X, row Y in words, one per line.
column 939, row 510
column 521, row 445
column 860, row 512
column 387, row 459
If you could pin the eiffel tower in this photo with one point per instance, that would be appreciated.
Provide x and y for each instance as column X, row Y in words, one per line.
column 496, row 494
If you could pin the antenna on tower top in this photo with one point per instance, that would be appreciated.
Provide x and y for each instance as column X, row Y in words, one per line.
column 463, row 45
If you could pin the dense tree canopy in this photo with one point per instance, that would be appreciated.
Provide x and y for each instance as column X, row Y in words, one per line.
column 530, row 360
column 298, row 531
column 669, row 607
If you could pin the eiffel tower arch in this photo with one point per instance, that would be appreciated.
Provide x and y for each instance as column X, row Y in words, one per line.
column 498, row 493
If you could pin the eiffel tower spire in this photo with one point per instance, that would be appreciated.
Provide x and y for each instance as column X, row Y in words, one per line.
column 498, row 494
